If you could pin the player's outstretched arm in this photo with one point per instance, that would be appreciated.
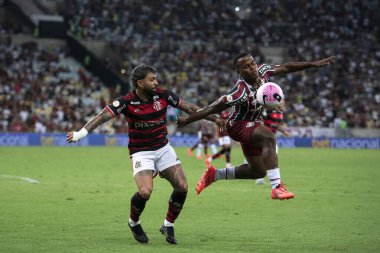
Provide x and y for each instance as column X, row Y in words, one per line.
column 290, row 67
column 99, row 119
column 201, row 113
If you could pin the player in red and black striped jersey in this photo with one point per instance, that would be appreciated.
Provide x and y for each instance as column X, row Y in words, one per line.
column 244, row 124
column 145, row 108
column 273, row 119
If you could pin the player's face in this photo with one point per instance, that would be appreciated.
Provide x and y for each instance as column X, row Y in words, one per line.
column 247, row 69
column 149, row 84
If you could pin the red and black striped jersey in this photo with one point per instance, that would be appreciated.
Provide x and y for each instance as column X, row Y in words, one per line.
column 273, row 119
column 242, row 97
column 147, row 126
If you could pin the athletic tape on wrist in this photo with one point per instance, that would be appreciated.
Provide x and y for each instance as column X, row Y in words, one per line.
column 79, row 135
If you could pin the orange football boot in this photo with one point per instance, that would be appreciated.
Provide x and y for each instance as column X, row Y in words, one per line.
column 281, row 193
column 206, row 179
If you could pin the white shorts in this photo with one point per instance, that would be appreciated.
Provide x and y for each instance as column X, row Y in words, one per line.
column 224, row 140
column 157, row 160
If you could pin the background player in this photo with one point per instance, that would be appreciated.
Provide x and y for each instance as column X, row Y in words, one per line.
column 206, row 137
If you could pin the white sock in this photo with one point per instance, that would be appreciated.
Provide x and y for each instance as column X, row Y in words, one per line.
column 199, row 149
column 168, row 224
column 226, row 173
column 214, row 150
column 274, row 177
column 133, row 223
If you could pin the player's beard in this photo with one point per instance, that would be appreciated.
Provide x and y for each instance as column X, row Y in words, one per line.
column 149, row 92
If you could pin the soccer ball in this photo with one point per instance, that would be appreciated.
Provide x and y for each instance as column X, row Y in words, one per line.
column 270, row 94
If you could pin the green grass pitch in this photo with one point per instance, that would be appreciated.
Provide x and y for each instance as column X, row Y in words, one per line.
column 82, row 204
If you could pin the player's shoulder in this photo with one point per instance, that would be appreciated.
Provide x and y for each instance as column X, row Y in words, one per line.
column 161, row 93
column 263, row 68
column 129, row 96
column 239, row 83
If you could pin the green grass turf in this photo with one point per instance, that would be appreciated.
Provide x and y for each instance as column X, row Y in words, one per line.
column 82, row 204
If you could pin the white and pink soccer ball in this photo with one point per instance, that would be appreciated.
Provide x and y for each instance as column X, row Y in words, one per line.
column 270, row 94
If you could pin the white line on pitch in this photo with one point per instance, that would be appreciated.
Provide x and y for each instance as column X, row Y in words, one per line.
column 27, row 179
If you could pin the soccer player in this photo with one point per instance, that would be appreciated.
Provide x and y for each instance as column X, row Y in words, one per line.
column 145, row 108
column 206, row 136
column 224, row 142
column 244, row 124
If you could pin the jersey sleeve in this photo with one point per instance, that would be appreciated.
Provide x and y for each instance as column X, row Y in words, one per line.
column 237, row 95
column 118, row 106
column 173, row 99
column 266, row 71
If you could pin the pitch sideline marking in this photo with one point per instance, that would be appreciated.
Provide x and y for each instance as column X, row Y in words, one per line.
column 27, row 179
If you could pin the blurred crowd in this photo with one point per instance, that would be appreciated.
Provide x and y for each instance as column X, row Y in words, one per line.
column 45, row 90
column 192, row 43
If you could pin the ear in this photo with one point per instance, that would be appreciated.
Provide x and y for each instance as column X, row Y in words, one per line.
column 139, row 83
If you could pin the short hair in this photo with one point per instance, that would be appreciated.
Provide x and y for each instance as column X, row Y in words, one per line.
column 238, row 56
column 140, row 72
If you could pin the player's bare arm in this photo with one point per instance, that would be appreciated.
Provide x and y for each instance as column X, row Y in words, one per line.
column 290, row 67
column 190, row 108
column 216, row 107
column 99, row 119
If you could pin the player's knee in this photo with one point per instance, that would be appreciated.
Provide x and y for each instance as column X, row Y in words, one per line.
column 145, row 192
column 181, row 187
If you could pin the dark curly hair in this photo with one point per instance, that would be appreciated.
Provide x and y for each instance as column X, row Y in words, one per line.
column 237, row 57
column 139, row 73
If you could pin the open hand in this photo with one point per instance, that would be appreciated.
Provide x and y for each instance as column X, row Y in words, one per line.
column 69, row 137
column 324, row 62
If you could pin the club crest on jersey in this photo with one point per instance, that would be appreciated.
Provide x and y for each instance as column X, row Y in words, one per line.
column 157, row 105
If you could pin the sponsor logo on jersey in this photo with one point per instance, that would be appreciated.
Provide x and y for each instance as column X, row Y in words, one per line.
column 240, row 100
column 264, row 68
column 148, row 124
column 121, row 108
column 171, row 99
column 135, row 103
